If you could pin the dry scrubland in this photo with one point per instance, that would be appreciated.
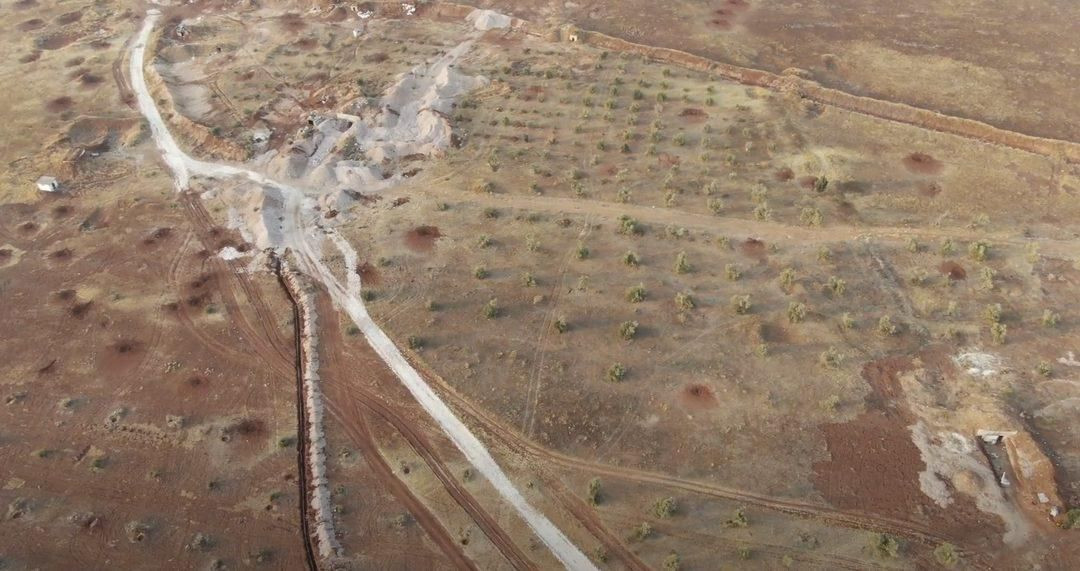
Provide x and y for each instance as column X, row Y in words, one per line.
column 701, row 323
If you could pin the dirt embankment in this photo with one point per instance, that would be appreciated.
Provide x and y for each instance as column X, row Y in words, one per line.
column 200, row 140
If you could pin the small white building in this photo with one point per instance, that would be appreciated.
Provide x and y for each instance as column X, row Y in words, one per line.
column 48, row 184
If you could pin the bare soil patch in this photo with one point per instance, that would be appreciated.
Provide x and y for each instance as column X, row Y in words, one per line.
column 32, row 24
column 694, row 115
column 292, row 22
column 422, row 238
column 923, row 163
column 697, row 396
column 369, row 274
column 753, row 248
column 952, row 269
column 68, row 18
column 55, row 41
column 59, row 104
column 24, row 4
column 785, row 174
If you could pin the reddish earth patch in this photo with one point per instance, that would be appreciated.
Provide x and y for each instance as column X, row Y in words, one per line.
column 422, row 238
column 5, row 254
column 24, row 4
column 808, row 182
column 156, row 236
column 30, row 57
column 785, row 174
column 62, row 103
column 68, row 18
column 368, row 273
column 247, row 427
column 952, row 269
column 753, row 248
column 120, row 356
column 923, row 163
column 62, row 211
column 697, row 396
column 29, row 25
column 65, row 295
column 883, row 376
column 196, row 382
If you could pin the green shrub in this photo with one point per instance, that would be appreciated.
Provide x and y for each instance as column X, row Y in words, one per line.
column 631, row 258
column 594, row 491
column 628, row 226
column 979, row 251
column 886, row 545
column 741, row 304
column 480, row 272
column 885, row 326
column 628, row 329
column 560, row 324
column 682, row 266
column 665, row 507
column 684, row 301
column 491, row 309
column 946, row 555
column 636, row 294
column 837, row 286
column 616, row 373
column 998, row 331
column 731, row 272
column 796, row 312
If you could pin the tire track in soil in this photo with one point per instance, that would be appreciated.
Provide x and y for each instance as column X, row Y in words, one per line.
column 268, row 343
column 828, row 515
column 363, row 397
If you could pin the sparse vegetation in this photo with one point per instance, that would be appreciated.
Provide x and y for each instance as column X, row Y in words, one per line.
column 946, row 555
column 636, row 294
column 627, row 330
column 491, row 309
column 885, row 326
column 616, row 373
column 665, row 507
column 741, row 304
column 796, row 312
column 594, row 491
column 886, row 545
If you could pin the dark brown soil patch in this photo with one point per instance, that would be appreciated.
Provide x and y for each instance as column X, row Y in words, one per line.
column 771, row 333
column 377, row 57
column 785, row 174
column 292, row 22
column 196, row 382
column 693, row 115
column 30, row 57
column 55, row 41
column 24, row 4
column 74, row 62
column 65, row 295
column 120, row 356
column 368, row 274
column 68, row 18
column 29, row 25
column 5, row 254
column 62, row 211
column 28, row 227
column 930, row 189
column 59, row 104
column 100, row 44
column 247, row 427
column 61, row 254
column 79, row 310
column 883, row 376
column 90, row 80
column 422, row 238
column 157, row 236
column 697, row 396
column 201, row 281
column 47, row 368
column 952, row 269
column 923, row 163
column 753, row 248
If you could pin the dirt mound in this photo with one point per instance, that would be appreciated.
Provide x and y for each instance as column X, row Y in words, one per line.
column 62, row 103
column 61, row 254
column 368, row 274
column 30, row 57
column 79, row 310
column 422, row 238
column 808, row 182
column 753, row 248
column 697, row 396
column 75, row 61
column 952, row 269
column 923, row 163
